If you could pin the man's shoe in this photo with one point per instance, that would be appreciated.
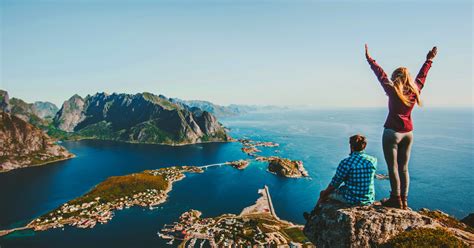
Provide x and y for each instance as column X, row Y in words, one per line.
column 394, row 201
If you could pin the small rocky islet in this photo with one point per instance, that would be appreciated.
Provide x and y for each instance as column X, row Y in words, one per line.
column 280, row 166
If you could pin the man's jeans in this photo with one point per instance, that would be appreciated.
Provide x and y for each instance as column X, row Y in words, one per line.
column 338, row 197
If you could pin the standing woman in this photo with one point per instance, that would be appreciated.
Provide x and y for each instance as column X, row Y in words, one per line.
column 403, row 93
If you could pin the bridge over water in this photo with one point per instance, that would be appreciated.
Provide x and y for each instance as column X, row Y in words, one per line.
column 213, row 165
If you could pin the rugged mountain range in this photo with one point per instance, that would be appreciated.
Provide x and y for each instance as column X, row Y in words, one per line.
column 21, row 143
column 141, row 118
column 37, row 113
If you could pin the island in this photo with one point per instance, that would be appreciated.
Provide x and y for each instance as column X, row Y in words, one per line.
column 147, row 189
column 256, row 225
column 250, row 146
column 285, row 167
column 239, row 164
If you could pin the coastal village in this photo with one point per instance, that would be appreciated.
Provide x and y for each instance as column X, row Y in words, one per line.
column 256, row 225
column 146, row 189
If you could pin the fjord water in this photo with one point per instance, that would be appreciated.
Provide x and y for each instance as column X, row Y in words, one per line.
column 441, row 171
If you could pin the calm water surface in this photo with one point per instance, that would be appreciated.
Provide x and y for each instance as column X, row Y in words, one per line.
column 441, row 171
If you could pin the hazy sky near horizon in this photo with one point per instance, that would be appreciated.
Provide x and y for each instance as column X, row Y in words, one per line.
column 245, row 52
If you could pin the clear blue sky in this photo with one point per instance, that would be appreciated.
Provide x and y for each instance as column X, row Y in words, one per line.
column 248, row 52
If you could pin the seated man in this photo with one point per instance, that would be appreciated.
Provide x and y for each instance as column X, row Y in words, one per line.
column 357, row 173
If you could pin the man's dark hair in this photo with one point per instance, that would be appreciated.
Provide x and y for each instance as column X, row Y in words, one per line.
column 358, row 142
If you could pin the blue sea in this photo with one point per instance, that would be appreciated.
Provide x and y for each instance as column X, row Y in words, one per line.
column 441, row 170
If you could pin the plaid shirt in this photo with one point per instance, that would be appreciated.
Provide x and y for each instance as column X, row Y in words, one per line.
column 357, row 172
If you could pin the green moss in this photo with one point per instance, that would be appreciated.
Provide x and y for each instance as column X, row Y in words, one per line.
column 447, row 220
column 424, row 237
column 296, row 234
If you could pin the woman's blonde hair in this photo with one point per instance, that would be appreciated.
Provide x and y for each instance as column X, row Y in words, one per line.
column 403, row 85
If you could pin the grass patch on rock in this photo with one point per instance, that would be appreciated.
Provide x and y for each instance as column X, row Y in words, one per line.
column 425, row 237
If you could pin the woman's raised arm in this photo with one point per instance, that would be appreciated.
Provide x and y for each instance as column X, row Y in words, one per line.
column 421, row 77
column 381, row 75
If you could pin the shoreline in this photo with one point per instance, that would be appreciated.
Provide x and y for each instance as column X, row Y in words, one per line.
column 30, row 224
column 149, row 143
column 40, row 164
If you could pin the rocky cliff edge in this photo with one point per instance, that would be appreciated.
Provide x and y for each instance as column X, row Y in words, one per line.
column 337, row 225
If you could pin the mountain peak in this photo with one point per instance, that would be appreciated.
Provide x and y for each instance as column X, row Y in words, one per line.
column 149, row 118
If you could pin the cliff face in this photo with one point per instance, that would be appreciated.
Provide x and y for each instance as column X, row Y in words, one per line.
column 4, row 101
column 70, row 114
column 336, row 225
column 25, row 145
column 143, row 118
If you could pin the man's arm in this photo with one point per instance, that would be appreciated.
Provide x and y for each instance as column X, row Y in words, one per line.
column 341, row 174
column 421, row 77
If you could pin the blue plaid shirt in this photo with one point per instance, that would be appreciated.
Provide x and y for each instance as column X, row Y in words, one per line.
column 357, row 172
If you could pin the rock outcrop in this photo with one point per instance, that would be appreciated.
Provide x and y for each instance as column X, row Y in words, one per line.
column 285, row 167
column 23, row 144
column 70, row 114
column 469, row 220
column 140, row 118
column 4, row 101
column 337, row 225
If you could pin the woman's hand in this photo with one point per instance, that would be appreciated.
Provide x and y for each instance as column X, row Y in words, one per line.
column 432, row 53
column 367, row 55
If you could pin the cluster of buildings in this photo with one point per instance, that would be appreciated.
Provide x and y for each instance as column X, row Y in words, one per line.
column 88, row 214
column 175, row 173
column 256, row 226
column 224, row 231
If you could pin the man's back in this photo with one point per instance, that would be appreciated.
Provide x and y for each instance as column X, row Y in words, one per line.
column 357, row 173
